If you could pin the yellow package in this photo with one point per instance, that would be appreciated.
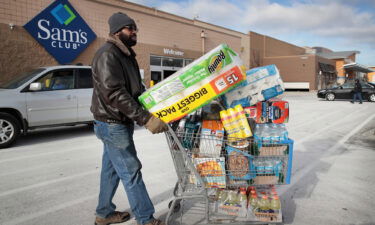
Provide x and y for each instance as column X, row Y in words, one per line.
column 235, row 123
column 242, row 121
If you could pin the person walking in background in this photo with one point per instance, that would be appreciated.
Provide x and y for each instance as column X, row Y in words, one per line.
column 117, row 86
column 357, row 91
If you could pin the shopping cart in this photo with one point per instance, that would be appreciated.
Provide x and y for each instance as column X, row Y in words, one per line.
column 205, row 164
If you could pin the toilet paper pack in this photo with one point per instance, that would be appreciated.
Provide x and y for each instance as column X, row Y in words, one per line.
column 262, row 83
column 195, row 85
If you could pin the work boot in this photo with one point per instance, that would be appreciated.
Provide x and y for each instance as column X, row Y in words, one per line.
column 155, row 222
column 115, row 217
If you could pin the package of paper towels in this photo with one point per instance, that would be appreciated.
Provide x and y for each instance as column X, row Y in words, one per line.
column 195, row 85
column 262, row 83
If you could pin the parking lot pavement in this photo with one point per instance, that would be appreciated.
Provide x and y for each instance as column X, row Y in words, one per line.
column 52, row 176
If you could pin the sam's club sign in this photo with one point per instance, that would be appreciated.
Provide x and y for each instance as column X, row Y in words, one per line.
column 61, row 31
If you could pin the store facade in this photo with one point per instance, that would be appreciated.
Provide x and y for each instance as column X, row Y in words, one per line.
column 166, row 42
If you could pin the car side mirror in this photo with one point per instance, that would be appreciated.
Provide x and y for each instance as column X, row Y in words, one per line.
column 35, row 87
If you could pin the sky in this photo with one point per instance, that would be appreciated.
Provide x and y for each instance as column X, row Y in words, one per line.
column 339, row 25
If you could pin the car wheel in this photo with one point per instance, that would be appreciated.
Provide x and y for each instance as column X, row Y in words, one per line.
column 9, row 130
column 330, row 96
column 371, row 98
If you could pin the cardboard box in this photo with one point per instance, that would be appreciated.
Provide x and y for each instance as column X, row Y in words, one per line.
column 271, row 111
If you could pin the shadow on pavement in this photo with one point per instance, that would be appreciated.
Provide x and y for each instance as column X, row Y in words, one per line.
column 46, row 135
column 305, row 185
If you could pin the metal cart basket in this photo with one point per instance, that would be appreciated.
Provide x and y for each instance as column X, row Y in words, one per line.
column 206, row 164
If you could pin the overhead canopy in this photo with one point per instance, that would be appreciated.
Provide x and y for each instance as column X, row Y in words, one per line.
column 337, row 55
column 358, row 67
column 327, row 68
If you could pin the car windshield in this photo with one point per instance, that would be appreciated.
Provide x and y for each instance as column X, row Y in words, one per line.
column 21, row 78
column 365, row 85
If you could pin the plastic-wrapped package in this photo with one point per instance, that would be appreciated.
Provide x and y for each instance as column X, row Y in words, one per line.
column 212, row 138
column 195, row 85
column 261, row 84
column 212, row 171
column 272, row 111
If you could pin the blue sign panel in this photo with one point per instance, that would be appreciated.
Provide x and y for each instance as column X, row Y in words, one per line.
column 61, row 31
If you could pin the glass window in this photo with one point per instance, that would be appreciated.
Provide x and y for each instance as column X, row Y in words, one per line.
column 21, row 79
column 348, row 85
column 156, row 76
column 84, row 78
column 155, row 61
column 172, row 62
column 57, row 80
column 188, row 61
column 366, row 85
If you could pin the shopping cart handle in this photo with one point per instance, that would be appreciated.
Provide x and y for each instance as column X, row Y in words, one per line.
column 169, row 128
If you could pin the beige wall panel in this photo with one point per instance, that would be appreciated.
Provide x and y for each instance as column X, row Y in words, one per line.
column 295, row 68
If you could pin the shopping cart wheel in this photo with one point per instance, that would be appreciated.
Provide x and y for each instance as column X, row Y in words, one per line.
column 177, row 206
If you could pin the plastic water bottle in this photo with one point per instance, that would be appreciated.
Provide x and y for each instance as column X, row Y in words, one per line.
column 259, row 166
column 268, row 166
column 242, row 200
column 285, row 133
column 275, row 204
column 253, row 201
column 278, row 167
column 275, row 133
column 264, row 204
column 258, row 131
column 221, row 195
column 232, row 198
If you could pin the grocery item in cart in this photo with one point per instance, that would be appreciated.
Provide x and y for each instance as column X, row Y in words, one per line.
column 212, row 171
column 235, row 123
column 212, row 135
column 261, row 84
column 271, row 111
column 271, row 133
column 275, row 205
column 212, row 111
column 190, row 88
column 234, row 204
column 239, row 164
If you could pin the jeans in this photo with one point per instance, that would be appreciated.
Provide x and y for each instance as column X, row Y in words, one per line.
column 120, row 162
column 357, row 95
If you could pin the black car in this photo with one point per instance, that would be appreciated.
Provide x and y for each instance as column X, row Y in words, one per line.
column 345, row 91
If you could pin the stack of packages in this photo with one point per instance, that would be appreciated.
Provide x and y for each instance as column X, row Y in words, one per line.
column 238, row 142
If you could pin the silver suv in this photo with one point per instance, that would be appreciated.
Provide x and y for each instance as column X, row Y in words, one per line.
column 48, row 96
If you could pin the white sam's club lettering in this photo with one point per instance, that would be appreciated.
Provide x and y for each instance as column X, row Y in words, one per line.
column 61, row 38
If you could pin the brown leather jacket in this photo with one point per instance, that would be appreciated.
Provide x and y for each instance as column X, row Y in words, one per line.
column 117, row 85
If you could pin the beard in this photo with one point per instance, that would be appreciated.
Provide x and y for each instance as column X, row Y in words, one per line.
column 129, row 41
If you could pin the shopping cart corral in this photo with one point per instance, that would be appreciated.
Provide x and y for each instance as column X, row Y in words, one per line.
column 218, row 177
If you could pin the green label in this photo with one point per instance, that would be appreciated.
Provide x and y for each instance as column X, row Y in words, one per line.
column 215, row 62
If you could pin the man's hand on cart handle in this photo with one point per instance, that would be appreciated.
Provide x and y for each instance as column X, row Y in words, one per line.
column 156, row 125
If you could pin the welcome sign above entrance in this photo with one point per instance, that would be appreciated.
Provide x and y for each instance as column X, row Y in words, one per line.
column 173, row 52
column 61, row 31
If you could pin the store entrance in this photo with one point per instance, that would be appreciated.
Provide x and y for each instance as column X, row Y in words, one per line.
column 162, row 67
column 167, row 73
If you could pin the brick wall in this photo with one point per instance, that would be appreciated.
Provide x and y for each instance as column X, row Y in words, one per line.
column 295, row 68
column 158, row 30
column 262, row 46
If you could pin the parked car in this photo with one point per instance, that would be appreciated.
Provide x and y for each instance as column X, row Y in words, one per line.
column 48, row 96
column 345, row 91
